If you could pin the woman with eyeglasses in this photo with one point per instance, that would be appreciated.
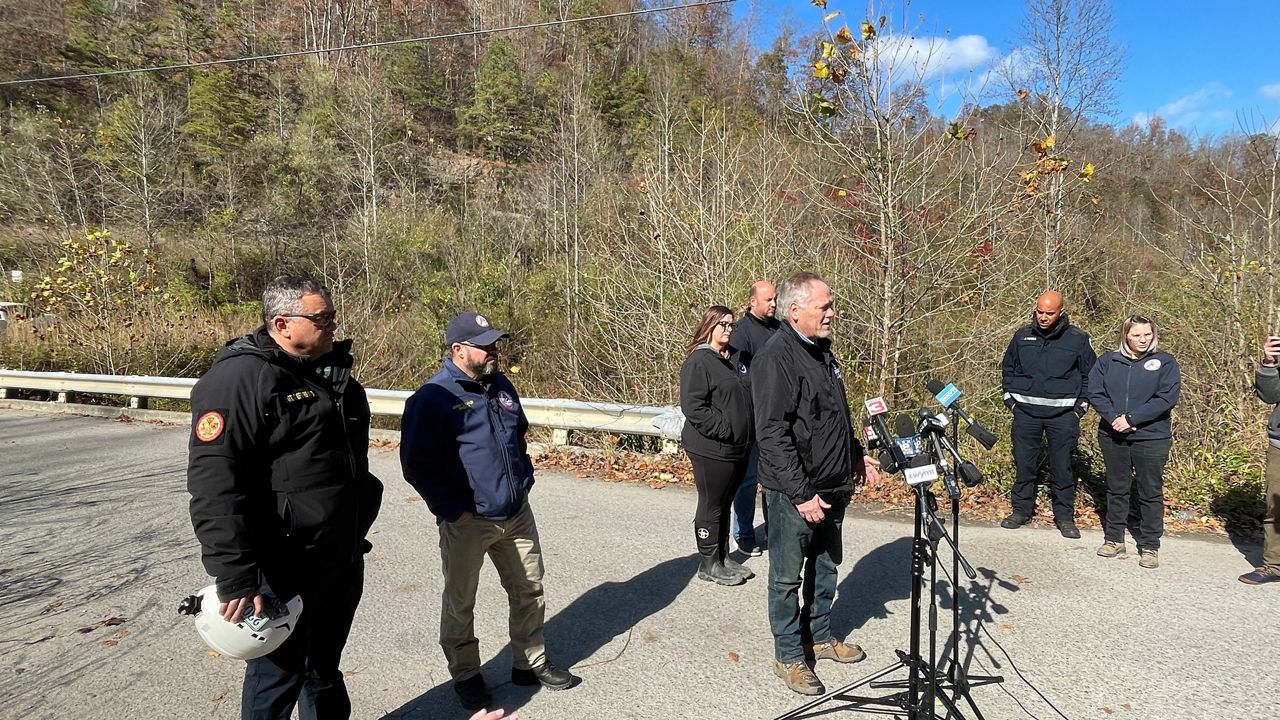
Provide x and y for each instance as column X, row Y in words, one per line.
column 1134, row 389
column 716, row 401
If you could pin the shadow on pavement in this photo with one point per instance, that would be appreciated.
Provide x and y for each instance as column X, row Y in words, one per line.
column 881, row 576
column 576, row 633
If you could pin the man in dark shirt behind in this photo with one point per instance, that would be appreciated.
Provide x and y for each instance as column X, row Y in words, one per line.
column 757, row 325
column 809, row 459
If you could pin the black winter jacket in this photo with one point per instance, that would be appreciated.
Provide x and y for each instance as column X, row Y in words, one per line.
column 1045, row 373
column 1266, row 384
column 750, row 335
column 803, row 426
column 1145, row 389
column 462, row 446
column 279, row 467
column 716, row 400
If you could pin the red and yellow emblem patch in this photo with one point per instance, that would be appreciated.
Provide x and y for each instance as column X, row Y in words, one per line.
column 210, row 426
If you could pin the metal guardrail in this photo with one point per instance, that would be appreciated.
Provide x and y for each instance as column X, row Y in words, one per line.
column 663, row 422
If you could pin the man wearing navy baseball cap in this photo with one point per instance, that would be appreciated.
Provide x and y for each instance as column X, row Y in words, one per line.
column 462, row 447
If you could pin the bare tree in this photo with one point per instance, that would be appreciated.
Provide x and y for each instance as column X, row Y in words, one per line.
column 1065, row 69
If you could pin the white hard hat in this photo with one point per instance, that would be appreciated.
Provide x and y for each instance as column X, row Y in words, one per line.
column 253, row 635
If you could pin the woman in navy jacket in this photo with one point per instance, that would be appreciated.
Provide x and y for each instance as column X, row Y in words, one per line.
column 1133, row 389
column 716, row 401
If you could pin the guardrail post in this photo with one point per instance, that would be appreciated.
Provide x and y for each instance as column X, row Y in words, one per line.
column 138, row 403
column 559, row 436
column 66, row 397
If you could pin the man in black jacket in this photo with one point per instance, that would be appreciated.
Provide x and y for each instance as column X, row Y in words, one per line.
column 281, row 494
column 1045, row 374
column 757, row 325
column 809, row 457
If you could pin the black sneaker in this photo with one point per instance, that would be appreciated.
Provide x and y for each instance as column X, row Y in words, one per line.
column 1015, row 521
column 748, row 546
column 547, row 675
column 472, row 693
column 1068, row 528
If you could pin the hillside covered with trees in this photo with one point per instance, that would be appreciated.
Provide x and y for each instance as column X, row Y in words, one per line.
column 592, row 186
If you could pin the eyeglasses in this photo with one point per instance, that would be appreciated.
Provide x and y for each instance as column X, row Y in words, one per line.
column 487, row 348
column 320, row 319
column 726, row 324
column 1139, row 320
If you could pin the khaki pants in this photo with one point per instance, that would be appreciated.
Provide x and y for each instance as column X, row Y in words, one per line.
column 1271, row 520
column 517, row 556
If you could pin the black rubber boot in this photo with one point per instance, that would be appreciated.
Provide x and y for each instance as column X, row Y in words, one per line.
column 732, row 565
column 714, row 571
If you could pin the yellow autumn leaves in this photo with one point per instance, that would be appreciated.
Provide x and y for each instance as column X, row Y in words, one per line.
column 1048, row 163
column 830, row 65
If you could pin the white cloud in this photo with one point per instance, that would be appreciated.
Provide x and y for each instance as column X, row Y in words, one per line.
column 1271, row 92
column 936, row 56
column 1204, row 104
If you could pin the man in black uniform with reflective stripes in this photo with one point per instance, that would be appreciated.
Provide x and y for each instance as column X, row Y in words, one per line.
column 1045, row 377
column 281, row 494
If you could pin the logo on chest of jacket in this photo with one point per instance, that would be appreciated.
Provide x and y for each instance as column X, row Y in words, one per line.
column 742, row 369
column 507, row 402
column 1153, row 364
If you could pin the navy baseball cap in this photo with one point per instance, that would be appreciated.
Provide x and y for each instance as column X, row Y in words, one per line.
column 473, row 328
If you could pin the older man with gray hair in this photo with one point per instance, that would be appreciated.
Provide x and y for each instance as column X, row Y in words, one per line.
column 809, row 458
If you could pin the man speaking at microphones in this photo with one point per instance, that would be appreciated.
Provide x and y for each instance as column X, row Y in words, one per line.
column 809, row 459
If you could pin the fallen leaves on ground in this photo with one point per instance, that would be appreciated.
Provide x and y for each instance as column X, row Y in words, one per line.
column 984, row 502
column 109, row 622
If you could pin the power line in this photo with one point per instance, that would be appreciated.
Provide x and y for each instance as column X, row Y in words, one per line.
column 363, row 46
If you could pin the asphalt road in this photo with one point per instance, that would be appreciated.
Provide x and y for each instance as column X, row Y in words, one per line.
column 93, row 526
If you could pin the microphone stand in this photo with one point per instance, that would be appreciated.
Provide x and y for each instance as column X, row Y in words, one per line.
column 958, row 679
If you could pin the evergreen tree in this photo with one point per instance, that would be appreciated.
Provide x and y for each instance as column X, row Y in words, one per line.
column 502, row 120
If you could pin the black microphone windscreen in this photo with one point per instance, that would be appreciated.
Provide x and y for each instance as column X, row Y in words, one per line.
column 904, row 426
column 935, row 386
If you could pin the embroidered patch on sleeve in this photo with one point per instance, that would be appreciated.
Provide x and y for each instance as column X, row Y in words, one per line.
column 210, row 426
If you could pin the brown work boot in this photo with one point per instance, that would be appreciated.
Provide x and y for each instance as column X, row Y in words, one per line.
column 837, row 650
column 799, row 677
column 1148, row 558
column 1111, row 549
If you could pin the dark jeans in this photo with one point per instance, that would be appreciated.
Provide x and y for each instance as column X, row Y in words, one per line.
column 1028, row 433
column 797, row 548
column 744, row 502
column 304, row 670
column 716, row 482
column 1131, row 462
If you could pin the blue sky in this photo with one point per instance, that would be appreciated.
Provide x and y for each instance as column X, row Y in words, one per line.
column 1203, row 67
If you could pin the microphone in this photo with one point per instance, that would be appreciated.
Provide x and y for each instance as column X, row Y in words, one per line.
column 877, row 409
column 908, row 437
column 948, row 396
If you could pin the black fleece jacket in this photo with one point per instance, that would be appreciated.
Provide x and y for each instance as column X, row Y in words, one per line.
column 716, row 400
column 803, row 425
